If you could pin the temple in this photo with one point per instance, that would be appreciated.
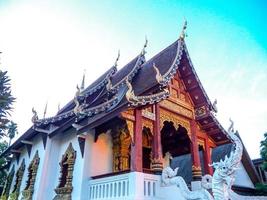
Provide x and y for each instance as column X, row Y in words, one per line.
column 113, row 140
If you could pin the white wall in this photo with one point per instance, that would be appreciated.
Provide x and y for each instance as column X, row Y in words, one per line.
column 97, row 159
column 101, row 155
column 57, row 147
column 242, row 178
column 37, row 145
column 23, row 155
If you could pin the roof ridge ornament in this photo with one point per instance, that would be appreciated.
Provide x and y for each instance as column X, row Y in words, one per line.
column 35, row 116
column 143, row 52
column 159, row 77
column 58, row 107
column 117, row 59
column 83, row 80
column 130, row 96
column 146, row 99
column 183, row 33
column 45, row 109
column 109, row 85
column 231, row 127
column 78, row 108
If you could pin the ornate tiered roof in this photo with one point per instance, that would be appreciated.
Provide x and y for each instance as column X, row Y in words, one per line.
column 138, row 83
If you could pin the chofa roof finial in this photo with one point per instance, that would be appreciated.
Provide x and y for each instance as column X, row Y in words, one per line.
column 231, row 127
column 117, row 59
column 35, row 116
column 159, row 77
column 45, row 109
column 183, row 33
column 83, row 80
column 58, row 107
column 145, row 45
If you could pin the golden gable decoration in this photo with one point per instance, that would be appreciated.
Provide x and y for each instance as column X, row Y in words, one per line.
column 64, row 188
column 19, row 175
column 27, row 193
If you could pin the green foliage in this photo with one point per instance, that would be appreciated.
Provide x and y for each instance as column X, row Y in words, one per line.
column 6, row 101
column 3, row 147
column 11, row 130
column 7, row 127
column 261, row 189
column 263, row 151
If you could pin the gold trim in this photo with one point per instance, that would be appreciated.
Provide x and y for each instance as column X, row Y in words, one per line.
column 64, row 191
column 32, row 172
column 15, row 193
column 177, row 108
column 168, row 116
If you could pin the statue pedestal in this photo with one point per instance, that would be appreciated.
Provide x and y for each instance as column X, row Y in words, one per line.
column 195, row 185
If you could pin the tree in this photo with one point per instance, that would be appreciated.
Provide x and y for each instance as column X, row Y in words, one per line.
column 8, row 129
column 11, row 131
column 6, row 101
column 261, row 187
column 263, row 151
column 3, row 146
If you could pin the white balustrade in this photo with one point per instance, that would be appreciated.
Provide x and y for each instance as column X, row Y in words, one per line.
column 130, row 186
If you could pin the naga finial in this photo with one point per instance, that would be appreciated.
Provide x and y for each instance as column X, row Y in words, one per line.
column 83, row 80
column 109, row 85
column 58, row 107
column 183, row 33
column 130, row 93
column 78, row 92
column 117, row 59
column 35, row 116
column 77, row 109
column 214, row 106
column 231, row 128
column 45, row 109
column 144, row 48
column 159, row 77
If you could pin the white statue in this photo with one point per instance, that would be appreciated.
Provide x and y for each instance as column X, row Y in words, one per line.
column 169, row 178
column 222, row 180
column 223, row 177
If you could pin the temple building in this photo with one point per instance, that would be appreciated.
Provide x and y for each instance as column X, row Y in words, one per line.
column 115, row 137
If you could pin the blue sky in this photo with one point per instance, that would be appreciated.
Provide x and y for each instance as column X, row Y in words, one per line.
column 47, row 45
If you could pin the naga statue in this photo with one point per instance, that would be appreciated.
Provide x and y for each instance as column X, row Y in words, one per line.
column 222, row 180
column 169, row 178
column 223, row 177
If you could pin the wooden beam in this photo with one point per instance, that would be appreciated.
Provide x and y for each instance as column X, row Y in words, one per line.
column 15, row 151
column 213, row 132
column 26, row 142
column 209, row 125
column 46, row 131
column 192, row 88
column 77, row 126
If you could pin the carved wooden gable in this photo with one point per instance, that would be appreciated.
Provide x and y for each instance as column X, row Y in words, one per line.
column 32, row 172
column 19, row 175
column 64, row 188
